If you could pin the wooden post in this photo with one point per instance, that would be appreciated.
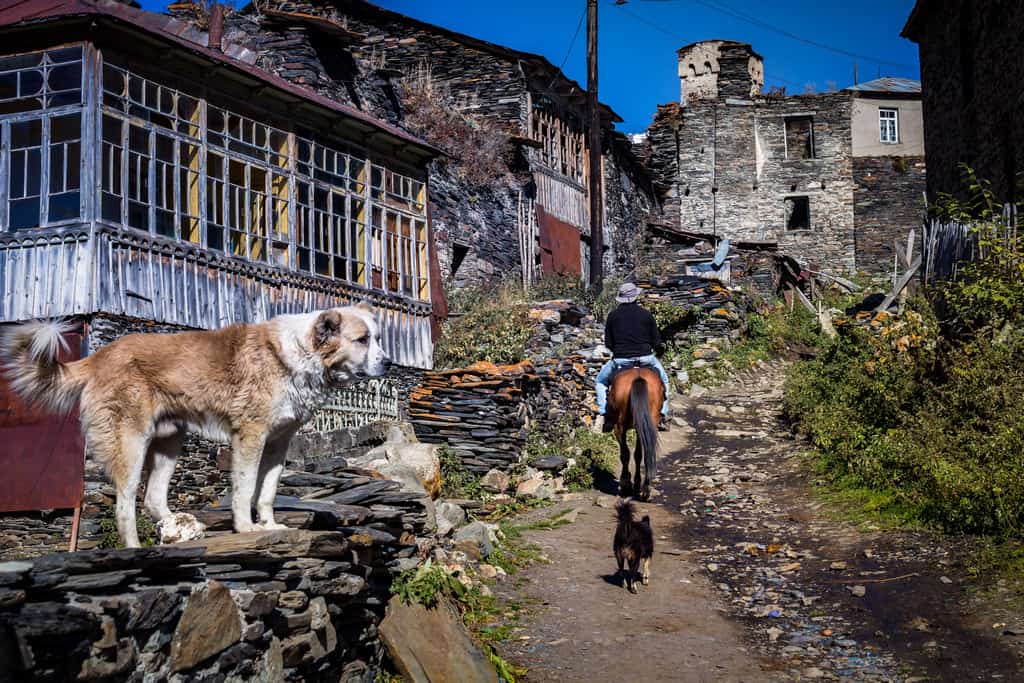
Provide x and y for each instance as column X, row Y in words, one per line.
column 594, row 141
column 76, row 517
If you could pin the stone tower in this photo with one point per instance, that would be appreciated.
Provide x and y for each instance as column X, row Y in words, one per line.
column 719, row 70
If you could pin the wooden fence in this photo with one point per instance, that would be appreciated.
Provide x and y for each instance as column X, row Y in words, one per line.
column 947, row 244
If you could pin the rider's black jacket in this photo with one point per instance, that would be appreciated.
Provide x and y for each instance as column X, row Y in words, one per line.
column 631, row 332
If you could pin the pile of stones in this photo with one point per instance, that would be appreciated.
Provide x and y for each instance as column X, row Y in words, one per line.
column 720, row 310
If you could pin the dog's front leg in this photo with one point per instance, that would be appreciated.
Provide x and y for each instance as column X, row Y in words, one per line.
column 271, row 466
column 245, row 462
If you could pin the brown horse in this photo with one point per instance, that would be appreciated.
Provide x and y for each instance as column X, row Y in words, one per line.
column 634, row 402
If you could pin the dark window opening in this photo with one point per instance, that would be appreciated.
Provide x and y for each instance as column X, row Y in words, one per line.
column 459, row 254
column 800, row 137
column 798, row 213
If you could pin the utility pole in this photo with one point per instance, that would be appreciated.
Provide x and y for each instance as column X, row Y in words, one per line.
column 594, row 145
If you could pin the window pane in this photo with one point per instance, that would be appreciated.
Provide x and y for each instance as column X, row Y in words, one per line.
column 25, row 213
column 64, row 206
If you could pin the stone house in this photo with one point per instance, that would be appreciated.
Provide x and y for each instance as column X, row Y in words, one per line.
column 538, row 221
column 153, row 178
column 828, row 177
column 972, row 68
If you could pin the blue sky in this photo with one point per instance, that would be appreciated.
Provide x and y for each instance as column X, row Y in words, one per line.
column 637, row 41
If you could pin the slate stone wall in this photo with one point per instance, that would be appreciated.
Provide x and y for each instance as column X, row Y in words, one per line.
column 971, row 65
column 888, row 202
column 723, row 168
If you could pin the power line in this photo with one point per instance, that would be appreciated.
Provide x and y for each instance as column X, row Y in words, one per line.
column 736, row 14
column 575, row 35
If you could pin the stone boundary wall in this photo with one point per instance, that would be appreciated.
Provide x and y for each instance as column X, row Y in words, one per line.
column 294, row 605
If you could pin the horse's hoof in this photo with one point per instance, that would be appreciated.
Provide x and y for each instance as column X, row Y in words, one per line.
column 632, row 589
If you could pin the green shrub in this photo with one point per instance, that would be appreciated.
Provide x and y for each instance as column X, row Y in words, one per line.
column 940, row 427
column 110, row 538
column 591, row 452
column 494, row 326
column 456, row 480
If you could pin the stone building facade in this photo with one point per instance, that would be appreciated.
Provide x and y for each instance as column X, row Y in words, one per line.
column 972, row 68
column 734, row 162
column 361, row 54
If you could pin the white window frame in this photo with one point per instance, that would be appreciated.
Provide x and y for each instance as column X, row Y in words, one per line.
column 890, row 124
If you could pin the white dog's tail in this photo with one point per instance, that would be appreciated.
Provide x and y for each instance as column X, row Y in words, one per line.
column 29, row 356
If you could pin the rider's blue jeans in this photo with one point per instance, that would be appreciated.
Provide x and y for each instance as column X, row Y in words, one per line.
column 604, row 378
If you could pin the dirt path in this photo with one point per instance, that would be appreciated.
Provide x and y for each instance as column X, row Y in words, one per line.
column 752, row 579
column 589, row 628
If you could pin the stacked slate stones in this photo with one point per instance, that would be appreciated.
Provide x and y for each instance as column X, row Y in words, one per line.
column 270, row 605
column 482, row 412
column 479, row 411
column 721, row 310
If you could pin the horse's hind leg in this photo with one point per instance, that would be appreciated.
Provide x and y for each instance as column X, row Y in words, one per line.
column 625, row 487
column 641, row 484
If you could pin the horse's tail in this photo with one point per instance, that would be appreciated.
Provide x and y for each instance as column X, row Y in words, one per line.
column 646, row 432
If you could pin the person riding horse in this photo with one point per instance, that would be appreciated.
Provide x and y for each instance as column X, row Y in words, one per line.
column 632, row 336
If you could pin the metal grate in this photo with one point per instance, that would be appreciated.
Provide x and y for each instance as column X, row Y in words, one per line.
column 373, row 400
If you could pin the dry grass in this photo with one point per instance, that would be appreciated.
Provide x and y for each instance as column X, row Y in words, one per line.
column 479, row 150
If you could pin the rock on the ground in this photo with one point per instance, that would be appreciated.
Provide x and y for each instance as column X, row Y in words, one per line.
column 551, row 463
column 474, row 540
column 449, row 516
column 428, row 645
column 540, row 489
column 495, row 481
column 209, row 624
column 179, row 527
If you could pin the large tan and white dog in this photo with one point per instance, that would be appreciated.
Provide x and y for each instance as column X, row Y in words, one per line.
column 252, row 385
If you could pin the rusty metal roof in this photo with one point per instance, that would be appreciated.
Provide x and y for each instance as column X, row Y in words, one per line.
column 21, row 13
column 889, row 84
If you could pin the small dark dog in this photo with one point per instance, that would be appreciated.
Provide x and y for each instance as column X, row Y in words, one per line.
column 634, row 544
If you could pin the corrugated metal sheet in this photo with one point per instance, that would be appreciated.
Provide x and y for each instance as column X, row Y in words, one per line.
column 43, row 455
column 127, row 273
column 559, row 245
column 889, row 84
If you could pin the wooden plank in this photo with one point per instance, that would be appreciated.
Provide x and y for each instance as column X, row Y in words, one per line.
column 900, row 285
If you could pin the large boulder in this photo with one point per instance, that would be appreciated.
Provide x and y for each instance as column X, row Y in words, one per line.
column 421, row 458
column 429, row 645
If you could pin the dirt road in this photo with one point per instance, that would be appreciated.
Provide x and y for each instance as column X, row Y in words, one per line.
column 753, row 579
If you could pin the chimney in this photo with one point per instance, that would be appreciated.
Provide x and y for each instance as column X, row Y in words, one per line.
column 216, row 34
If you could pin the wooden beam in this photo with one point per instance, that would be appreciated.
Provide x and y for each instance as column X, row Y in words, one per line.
column 900, row 285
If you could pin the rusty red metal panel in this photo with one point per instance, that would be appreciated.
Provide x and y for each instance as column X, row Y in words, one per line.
column 42, row 456
column 559, row 245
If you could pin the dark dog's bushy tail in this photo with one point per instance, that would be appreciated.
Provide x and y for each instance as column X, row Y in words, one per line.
column 625, row 512
column 646, row 432
column 29, row 354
